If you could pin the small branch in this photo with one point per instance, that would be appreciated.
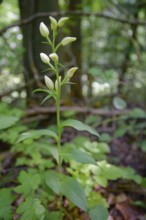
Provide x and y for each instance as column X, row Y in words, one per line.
column 68, row 13
column 52, row 109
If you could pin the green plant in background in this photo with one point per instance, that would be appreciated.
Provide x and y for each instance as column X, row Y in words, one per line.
column 60, row 184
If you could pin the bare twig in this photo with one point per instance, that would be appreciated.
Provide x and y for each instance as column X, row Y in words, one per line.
column 75, row 13
column 52, row 109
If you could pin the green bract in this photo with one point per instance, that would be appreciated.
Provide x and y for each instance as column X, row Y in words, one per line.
column 62, row 21
column 53, row 23
column 54, row 57
column 71, row 72
column 67, row 40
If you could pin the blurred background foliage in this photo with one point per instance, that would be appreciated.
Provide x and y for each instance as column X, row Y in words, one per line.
column 110, row 50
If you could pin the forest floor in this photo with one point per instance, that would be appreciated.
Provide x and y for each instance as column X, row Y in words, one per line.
column 124, row 195
column 127, row 201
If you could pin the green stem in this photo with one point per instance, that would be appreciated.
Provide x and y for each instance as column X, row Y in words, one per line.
column 58, row 119
column 58, row 92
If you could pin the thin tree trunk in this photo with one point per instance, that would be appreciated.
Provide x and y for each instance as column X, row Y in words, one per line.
column 32, row 43
column 75, row 27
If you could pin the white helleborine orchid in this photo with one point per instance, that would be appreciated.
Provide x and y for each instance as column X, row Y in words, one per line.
column 44, row 30
column 54, row 57
column 49, row 83
column 44, row 58
column 53, row 23
column 62, row 21
column 68, row 40
column 71, row 72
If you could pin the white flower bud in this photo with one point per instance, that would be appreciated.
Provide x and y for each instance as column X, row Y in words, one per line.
column 71, row 72
column 49, row 83
column 44, row 30
column 54, row 57
column 44, row 58
column 62, row 21
column 68, row 40
column 56, row 82
column 53, row 23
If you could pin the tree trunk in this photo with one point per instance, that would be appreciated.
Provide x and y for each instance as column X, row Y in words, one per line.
column 75, row 30
column 32, row 44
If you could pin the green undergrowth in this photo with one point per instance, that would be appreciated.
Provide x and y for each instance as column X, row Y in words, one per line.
column 38, row 184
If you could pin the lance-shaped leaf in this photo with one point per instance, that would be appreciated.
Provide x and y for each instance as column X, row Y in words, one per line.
column 70, row 152
column 50, row 93
column 41, row 90
column 74, row 192
column 98, row 213
column 46, row 98
column 68, row 187
column 53, row 181
column 36, row 134
column 80, row 126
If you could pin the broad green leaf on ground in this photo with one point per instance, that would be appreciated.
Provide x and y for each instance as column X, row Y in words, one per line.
column 79, row 141
column 74, row 192
column 53, row 181
column 96, row 147
column 55, row 215
column 138, row 113
column 29, row 183
column 36, row 134
column 96, row 198
column 31, row 209
column 7, row 121
column 98, row 213
column 70, row 152
column 130, row 173
column 105, row 171
column 119, row 103
column 105, row 137
column 80, row 126
column 6, row 198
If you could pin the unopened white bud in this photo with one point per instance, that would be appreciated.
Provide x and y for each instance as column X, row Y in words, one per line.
column 56, row 82
column 44, row 58
column 49, row 83
column 62, row 21
column 53, row 23
column 44, row 30
column 71, row 72
column 67, row 40
column 54, row 57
